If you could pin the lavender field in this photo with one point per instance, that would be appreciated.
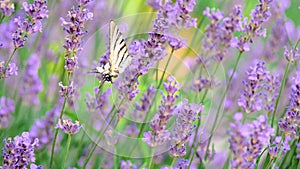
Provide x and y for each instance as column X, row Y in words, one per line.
column 129, row 84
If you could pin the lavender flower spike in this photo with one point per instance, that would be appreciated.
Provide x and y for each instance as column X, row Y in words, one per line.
column 187, row 115
column 11, row 70
column 7, row 8
column 159, row 134
column 250, row 99
column 289, row 124
column 74, row 26
column 68, row 127
column 28, row 26
column 248, row 140
column 19, row 152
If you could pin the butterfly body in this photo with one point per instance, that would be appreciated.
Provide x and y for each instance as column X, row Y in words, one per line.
column 119, row 58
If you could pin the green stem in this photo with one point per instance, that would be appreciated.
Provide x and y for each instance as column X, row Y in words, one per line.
column 151, row 158
column 259, row 157
column 67, row 151
column 164, row 72
column 283, row 83
column 173, row 162
column 2, row 17
column 192, row 158
column 280, row 92
column 56, row 133
column 221, row 103
column 280, row 152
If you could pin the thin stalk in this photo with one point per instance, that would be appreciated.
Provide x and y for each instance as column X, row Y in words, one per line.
column 226, row 165
column 280, row 152
column 221, row 103
column 173, row 162
column 283, row 83
column 67, row 151
column 164, row 72
column 151, row 158
column 192, row 158
column 80, row 145
column 199, row 121
column 156, row 73
column 259, row 157
column 2, row 17
column 56, row 133
column 280, row 92
column 56, row 130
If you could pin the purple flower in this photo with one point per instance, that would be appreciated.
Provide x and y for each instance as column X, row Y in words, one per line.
column 291, row 55
column 67, row 91
column 250, row 99
column 241, row 43
column 158, row 134
column 128, row 84
column 146, row 101
column 68, row 127
column 253, row 28
column 187, row 115
column 33, row 166
column 174, row 16
column 261, row 13
column 132, row 130
column 260, row 135
column 182, row 164
column 11, row 70
column 279, row 144
column 127, row 165
column 74, row 26
column 43, row 128
column 238, row 141
column 200, row 84
column 289, row 124
column 36, row 12
column 146, row 53
column 175, row 43
column 248, row 140
column 19, row 152
column 220, row 32
column 272, row 91
column 98, row 102
column 31, row 84
column 7, row 8
column 6, row 108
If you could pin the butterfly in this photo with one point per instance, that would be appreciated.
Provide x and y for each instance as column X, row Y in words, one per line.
column 119, row 58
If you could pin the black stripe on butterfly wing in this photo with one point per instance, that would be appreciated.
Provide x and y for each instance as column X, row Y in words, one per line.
column 125, row 62
column 118, row 49
column 113, row 35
